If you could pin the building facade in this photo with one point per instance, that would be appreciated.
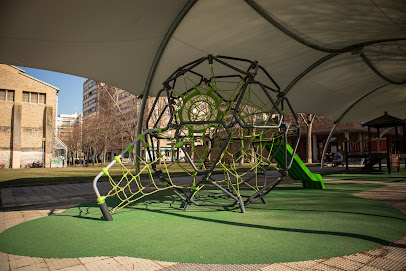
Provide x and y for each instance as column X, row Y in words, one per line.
column 27, row 123
column 66, row 122
column 91, row 92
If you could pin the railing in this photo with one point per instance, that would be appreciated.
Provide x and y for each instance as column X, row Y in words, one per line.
column 377, row 145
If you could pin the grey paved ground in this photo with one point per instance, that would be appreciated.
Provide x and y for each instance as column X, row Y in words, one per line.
column 26, row 203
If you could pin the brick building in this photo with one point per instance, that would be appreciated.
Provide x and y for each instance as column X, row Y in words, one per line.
column 27, row 123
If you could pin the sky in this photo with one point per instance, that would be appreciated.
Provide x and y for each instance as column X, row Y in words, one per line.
column 70, row 88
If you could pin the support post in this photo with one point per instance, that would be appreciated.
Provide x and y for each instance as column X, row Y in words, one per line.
column 16, row 146
column 346, row 153
column 379, row 149
column 105, row 211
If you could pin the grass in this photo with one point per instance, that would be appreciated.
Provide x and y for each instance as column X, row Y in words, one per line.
column 295, row 225
column 47, row 176
column 375, row 175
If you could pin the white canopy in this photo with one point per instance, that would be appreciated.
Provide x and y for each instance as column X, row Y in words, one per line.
column 326, row 55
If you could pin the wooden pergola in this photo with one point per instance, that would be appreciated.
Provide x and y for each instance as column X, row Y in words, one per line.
column 395, row 146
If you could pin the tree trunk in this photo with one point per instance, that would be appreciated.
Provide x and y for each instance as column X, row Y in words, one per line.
column 158, row 148
column 308, row 121
column 252, row 155
column 94, row 154
column 242, row 148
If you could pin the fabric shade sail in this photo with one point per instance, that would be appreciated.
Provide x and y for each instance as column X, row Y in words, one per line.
column 327, row 56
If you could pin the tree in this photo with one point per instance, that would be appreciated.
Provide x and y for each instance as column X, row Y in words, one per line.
column 72, row 138
column 308, row 121
column 123, row 108
column 158, row 117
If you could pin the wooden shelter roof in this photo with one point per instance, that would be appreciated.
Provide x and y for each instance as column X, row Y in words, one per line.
column 385, row 121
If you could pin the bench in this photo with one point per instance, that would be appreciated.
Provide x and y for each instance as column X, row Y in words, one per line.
column 2, row 165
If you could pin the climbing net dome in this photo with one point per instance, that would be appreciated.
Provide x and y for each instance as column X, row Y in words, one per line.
column 211, row 113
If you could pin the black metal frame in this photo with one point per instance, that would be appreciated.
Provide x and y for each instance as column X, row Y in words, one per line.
column 188, row 197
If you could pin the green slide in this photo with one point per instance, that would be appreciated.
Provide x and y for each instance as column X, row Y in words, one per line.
column 298, row 171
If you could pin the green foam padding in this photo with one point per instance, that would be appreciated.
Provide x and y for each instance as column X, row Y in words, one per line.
column 298, row 171
column 296, row 225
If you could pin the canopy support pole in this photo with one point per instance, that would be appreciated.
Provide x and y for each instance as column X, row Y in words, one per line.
column 340, row 119
column 380, row 74
column 151, row 74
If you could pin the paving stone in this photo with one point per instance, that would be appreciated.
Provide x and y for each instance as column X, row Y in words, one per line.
column 33, row 267
column 75, row 268
column 31, row 195
column 277, row 267
column 43, row 192
column 401, row 240
column 321, row 266
column 144, row 264
column 165, row 264
column 396, row 253
column 4, row 261
column 369, row 268
column 343, row 263
column 303, row 264
column 361, row 258
column 7, row 197
column 2, row 222
column 388, row 264
column 28, row 263
column 91, row 259
column 183, row 267
column 21, row 196
column 13, row 218
column 236, row 267
column 57, row 264
column 108, row 264
column 50, row 192
column 378, row 252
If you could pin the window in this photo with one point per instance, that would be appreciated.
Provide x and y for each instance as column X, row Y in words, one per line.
column 10, row 95
column 2, row 95
column 34, row 98
column 6, row 95
column 26, row 97
column 41, row 98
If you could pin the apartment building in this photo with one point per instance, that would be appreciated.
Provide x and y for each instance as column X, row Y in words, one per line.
column 66, row 122
column 91, row 92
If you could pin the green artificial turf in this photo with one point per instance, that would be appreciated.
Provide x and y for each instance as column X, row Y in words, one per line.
column 375, row 175
column 295, row 225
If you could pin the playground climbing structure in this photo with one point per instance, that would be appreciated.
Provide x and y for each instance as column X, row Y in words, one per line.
column 226, row 115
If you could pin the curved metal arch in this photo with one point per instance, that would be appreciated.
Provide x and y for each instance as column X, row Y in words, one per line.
column 379, row 73
column 261, row 11
column 153, row 68
column 303, row 74
column 340, row 119
column 328, row 57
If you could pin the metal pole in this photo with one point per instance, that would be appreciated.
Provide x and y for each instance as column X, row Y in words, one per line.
column 327, row 143
column 341, row 117
column 152, row 70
